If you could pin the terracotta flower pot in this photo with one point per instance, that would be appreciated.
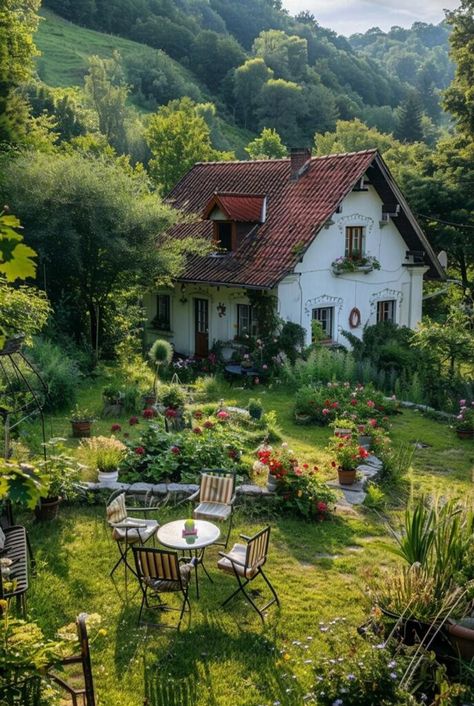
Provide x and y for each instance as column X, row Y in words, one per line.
column 47, row 509
column 81, row 430
column 347, row 477
column 465, row 433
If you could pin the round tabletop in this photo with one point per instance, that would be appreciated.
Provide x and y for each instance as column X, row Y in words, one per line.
column 171, row 535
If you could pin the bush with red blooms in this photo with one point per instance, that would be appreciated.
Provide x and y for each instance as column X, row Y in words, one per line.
column 298, row 489
column 336, row 400
column 347, row 454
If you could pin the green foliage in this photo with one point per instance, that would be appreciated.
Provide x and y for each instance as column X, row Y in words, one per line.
column 23, row 310
column 450, row 343
column 61, row 470
column 214, row 55
column 172, row 396
column 281, row 107
column 375, row 497
column 248, row 82
column 102, row 453
column 409, row 125
column 106, row 91
column 291, row 340
column 267, row 146
column 15, row 257
column 58, row 371
column 179, row 128
column 22, row 483
column 459, row 98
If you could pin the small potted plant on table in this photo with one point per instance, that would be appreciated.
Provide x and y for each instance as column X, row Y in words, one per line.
column 81, row 422
column 465, row 421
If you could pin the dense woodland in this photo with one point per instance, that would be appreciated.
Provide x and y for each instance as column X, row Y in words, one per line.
column 90, row 148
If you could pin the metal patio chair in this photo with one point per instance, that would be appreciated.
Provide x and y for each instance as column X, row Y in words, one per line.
column 86, row 689
column 161, row 571
column 216, row 498
column 246, row 562
column 128, row 530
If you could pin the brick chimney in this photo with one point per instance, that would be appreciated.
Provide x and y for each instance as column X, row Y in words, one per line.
column 299, row 160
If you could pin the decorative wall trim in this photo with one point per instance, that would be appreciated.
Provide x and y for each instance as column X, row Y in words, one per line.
column 355, row 219
column 323, row 300
column 383, row 295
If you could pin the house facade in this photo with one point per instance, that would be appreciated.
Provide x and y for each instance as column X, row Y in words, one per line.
column 330, row 238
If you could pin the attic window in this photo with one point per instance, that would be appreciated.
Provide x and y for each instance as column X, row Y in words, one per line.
column 224, row 235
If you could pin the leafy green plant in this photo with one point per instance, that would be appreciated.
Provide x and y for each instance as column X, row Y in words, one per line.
column 255, row 408
column 172, row 396
column 59, row 372
column 81, row 414
column 375, row 497
column 22, row 483
column 62, row 471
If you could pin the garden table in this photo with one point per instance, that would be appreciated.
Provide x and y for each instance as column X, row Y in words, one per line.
column 171, row 536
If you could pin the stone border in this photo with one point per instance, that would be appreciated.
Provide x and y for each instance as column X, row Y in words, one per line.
column 176, row 490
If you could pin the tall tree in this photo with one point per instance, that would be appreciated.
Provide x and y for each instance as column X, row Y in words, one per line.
column 179, row 136
column 409, row 125
column 459, row 98
column 286, row 55
column 96, row 227
column 249, row 80
column 282, row 107
column 107, row 92
column 18, row 23
column 267, row 145
column 214, row 55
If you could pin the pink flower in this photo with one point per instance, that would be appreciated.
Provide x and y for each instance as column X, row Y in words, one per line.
column 373, row 422
column 140, row 450
column 175, row 450
column 298, row 472
column 324, row 411
column 148, row 413
column 370, row 403
column 462, row 402
column 197, row 430
column 133, row 420
column 115, row 427
column 264, row 366
column 222, row 415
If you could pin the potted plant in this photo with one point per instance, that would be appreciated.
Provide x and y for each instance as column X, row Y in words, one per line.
column 62, row 474
column 104, row 454
column 279, row 463
column 465, row 421
column 347, row 456
column 255, row 408
column 81, row 422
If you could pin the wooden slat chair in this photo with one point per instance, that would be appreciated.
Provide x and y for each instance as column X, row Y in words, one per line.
column 126, row 530
column 161, row 571
column 84, row 689
column 15, row 545
column 216, row 496
column 246, row 562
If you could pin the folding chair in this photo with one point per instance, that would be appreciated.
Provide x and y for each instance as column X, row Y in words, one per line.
column 161, row 571
column 86, row 691
column 246, row 562
column 216, row 498
column 126, row 530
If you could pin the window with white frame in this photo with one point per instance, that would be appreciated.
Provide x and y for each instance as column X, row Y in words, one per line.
column 355, row 242
column 325, row 316
column 386, row 310
column 246, row 321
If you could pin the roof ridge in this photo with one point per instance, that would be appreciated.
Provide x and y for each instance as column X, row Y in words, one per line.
column 370, row 150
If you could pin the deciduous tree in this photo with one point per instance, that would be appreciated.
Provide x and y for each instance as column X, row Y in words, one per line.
column 267, row 145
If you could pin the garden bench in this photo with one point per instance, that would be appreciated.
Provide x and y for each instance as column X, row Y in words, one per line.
column 17, row 548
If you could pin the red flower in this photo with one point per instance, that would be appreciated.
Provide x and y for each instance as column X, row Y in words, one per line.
column 171, row 413
column 334, row 405
column 197, row 414
column 232, row 453
column 197, row 430
column 322, row 507
column 140, row 450
column 115, row 427
column 315, row 469
column 373, row 422
column 305, row 465
column 148, row 413
column 333, row 464
column 222, row 415
column 133, row 420
column 208, row 424
column 353, row 402
column 175, row 450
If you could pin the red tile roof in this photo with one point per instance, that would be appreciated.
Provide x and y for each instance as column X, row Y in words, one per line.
column 296, row 210
column 244, row 208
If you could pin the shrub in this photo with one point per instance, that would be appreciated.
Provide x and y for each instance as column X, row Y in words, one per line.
column 59, row 372
column 172, row 396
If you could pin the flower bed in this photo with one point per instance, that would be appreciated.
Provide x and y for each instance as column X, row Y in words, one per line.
column 358, row 403
column 297, row 486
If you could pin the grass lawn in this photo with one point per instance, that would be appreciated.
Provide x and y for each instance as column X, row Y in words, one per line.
column 227, row 657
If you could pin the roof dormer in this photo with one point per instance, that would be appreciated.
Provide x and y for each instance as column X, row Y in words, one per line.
column 240, row 208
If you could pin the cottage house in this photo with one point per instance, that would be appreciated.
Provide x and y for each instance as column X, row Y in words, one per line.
column 331, row 238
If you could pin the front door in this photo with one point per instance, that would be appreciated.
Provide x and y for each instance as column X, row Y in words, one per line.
column 201, row 327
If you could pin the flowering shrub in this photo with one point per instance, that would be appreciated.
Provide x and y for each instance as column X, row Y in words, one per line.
column 180, row 455
column 347, row 452
column 465, row 417
column 298, row 488
column 352, row 264
column 357, row 403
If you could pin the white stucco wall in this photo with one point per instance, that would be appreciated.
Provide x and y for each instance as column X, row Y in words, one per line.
column 314, row 285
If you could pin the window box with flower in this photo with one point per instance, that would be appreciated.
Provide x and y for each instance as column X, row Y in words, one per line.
column 359, row 263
